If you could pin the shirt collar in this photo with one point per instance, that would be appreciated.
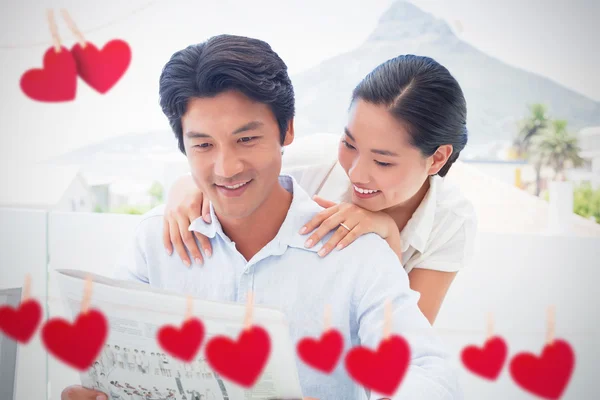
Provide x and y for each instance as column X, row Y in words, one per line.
column 301, row 210
column 418, row 228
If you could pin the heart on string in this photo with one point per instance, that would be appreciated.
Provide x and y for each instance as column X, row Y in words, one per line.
column 322, row 354
column 102, row 69
column 487, row 362
column 56, row 81
column 77, row 344
column 243, row 361
column 381, row 370
column 20, row 324
column 548, row 375
column 182, row 343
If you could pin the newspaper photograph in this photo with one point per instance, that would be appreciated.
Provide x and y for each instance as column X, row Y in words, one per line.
column 133, row 366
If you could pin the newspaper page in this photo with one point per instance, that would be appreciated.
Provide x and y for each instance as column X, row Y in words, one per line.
column 132, row 365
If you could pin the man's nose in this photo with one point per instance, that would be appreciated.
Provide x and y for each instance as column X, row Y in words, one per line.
column 228, row 164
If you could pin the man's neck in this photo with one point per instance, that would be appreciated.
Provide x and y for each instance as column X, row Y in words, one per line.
column 254, row 232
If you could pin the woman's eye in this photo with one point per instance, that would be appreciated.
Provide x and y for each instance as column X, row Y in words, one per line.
column 348, row 145
column 382, row 164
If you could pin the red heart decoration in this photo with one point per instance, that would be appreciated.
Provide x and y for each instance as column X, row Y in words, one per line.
column 182, row 343
column 488, row 361
column 20, row 324
column 322, row 354
column 381, row 370
column 241, row 361
column 57, row 81
column 102, row 69
column 77, row 345
column 546, row 376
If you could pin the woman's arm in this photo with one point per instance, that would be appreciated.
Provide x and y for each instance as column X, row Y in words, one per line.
column 433, row 286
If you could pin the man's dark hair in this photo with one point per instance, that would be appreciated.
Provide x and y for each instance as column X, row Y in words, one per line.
column 224, row 63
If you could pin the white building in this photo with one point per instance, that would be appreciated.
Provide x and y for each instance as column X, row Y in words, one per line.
column 45, row 187
column 589, row 141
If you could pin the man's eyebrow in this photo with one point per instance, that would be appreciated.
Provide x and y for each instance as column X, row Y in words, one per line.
column 195, row 135
column 248, row 127
column 244, row 128
column 376, row 151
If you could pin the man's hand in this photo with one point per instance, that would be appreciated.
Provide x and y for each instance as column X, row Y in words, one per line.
column 77, row 392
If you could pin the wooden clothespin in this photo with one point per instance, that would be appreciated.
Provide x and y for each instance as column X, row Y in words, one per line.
column 54, row 30
column 26, row 289
column 327, row 318
column 249, row 310
column 73, row 28
column 387, row 322
column 490, row 326
column 551, row 323
column 189, row 308
column 87, row 295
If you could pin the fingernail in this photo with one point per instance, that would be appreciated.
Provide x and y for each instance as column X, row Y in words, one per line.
column 339, row 246
column 322, row 252
column 168, row 252
column 198, row 261
column 302, row 230
column 207, row 252
column 207, row 218
column 308, row 243
column 101, row 397
column 187, row 263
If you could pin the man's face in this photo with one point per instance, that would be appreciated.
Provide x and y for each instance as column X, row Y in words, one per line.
column 234, row 151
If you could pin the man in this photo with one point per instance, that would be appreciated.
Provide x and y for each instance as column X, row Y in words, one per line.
column 230, row 103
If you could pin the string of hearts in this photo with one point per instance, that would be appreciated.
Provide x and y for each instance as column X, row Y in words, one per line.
column 243, row 360
column 57, row 80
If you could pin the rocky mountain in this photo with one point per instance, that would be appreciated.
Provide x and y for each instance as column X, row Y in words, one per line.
column 497, row 94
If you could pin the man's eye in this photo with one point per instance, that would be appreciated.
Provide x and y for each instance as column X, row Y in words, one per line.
column 202, row 145
column 247, row 139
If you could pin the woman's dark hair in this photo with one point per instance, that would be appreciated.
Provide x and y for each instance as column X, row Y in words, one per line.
column 425, row 98
column 223, row 63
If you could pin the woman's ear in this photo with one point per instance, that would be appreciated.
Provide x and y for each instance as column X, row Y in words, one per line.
column 439, row 158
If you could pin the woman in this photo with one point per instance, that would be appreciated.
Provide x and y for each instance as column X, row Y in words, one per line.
column 406, row 127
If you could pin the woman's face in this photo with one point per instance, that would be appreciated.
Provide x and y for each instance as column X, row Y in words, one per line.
column 376, row 154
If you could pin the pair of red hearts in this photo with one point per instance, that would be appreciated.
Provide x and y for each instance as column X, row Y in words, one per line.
column 381, row 370
column 546, row 376
column 77, row 344
column 240, row 361
column 57, row 80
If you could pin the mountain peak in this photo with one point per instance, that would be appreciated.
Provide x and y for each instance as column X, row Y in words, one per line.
column 405, row 20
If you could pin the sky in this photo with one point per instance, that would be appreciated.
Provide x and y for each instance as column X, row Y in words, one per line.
column 551, row 38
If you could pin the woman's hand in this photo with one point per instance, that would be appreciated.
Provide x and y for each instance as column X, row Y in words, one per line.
column 80, row 393
column 357, row 220
column 185, row 203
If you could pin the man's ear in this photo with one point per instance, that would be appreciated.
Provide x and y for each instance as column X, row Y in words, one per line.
column 439, row 158
column 289, row 135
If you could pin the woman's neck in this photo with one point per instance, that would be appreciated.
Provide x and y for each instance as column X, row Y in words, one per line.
column 402, row 213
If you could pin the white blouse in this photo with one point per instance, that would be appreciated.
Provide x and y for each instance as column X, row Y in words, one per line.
column 441, row 232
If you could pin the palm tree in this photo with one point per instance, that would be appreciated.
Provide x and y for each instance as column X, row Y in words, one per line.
column 530, row 127
column 557, row 148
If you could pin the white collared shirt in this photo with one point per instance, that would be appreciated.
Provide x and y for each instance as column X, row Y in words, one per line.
column 356, row 282
column 441, row 232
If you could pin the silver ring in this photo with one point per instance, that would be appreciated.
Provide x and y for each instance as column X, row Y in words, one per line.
column 342, row 224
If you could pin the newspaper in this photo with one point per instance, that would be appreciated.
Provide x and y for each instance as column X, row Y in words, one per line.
column 132, row 365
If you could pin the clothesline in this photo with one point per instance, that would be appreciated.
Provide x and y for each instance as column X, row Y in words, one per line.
column 443, row 331
column 85, row 32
